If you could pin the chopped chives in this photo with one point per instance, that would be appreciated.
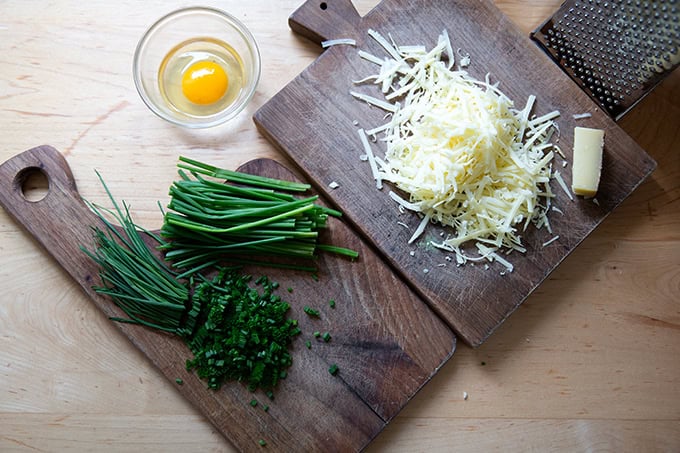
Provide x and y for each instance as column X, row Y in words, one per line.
column 209, row 222
column 311, row 312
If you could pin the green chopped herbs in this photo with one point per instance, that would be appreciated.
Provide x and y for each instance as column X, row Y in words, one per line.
column 308, row 344
column 236, row 329
column 262, row 442
column 245, row 336
column 326, row 337
column 331, row 303
column 245, row 216
column 333, row 369
column 311, row 312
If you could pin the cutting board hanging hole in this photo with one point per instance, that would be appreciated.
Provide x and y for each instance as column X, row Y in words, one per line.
column 323, row 6
column 32, row 183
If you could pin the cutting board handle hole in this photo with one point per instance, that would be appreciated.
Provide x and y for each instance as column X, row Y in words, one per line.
column 323, row 6
column 32, row 183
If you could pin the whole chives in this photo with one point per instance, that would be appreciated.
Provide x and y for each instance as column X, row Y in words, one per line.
column 246, row 215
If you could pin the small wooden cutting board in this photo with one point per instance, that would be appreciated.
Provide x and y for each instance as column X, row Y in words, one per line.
column 386, row 342
column 315, row 120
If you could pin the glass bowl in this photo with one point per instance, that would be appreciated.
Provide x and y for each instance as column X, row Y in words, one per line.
column 182, row 37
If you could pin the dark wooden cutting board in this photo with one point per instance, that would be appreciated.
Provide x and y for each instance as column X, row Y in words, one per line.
column 385, row 340
column 315, row 120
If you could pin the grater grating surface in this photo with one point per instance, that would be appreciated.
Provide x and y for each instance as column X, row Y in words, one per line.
column 617, row 51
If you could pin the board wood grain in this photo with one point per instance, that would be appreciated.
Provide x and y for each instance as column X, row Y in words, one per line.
column 377, row 327
column 314, row 121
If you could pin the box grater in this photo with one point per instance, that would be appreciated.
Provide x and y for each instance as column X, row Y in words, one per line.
column 617, row 51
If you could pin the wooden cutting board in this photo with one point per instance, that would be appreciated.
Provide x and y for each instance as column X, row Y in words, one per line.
column 315, row 120
column 385, row 340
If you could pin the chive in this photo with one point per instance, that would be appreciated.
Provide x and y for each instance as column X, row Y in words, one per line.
column 317, row 334
column 338, row 250
column 333, row 369
column 261, row 181
column 311, row 312
column 235, row 332
column 326, row 337
column 208, row 220
column 138, row 281
column 246, row 333
column 308, row 344
column 331, row 303
column 262, row 442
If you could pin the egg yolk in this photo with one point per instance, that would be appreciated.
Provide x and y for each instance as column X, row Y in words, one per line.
column 204, row 82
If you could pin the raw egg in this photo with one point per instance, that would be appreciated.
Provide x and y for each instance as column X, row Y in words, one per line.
column 204, row 82
column 201, row 77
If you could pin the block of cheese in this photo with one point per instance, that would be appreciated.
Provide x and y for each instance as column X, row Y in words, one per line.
column 587, row 164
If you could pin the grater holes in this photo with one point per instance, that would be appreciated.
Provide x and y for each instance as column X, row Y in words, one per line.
column 615, row 48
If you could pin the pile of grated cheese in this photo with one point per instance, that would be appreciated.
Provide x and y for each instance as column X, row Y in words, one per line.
column 465, row 155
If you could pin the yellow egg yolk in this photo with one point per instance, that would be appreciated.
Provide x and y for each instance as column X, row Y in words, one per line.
column 204, row 82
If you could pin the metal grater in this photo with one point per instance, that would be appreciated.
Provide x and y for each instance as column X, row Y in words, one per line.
column 617, row 51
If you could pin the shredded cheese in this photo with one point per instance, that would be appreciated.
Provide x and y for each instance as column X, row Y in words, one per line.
column 550, row 241
column 337, row 42
column 371, row 159
column 459, row 148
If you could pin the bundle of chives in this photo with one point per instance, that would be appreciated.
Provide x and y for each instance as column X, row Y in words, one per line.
column 208, row 219
column 138, row 281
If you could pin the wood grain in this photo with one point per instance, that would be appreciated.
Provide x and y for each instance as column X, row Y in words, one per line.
column 383, row 361
column 587, row 363
column 314, row 120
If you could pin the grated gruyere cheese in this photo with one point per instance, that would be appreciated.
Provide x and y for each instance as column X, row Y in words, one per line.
column 587, row 163
column 338, row 42
column 461, row 150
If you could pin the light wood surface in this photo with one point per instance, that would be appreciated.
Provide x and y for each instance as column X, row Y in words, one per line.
column 588, row 363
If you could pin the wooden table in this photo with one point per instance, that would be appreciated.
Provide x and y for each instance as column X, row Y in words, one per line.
column 589, row 362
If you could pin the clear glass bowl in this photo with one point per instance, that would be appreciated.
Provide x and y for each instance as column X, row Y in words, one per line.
column 182, row 26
